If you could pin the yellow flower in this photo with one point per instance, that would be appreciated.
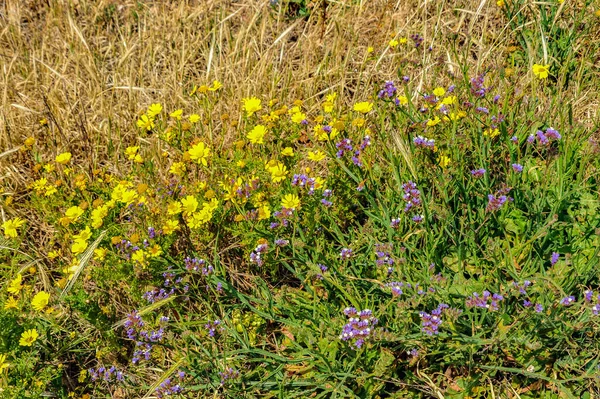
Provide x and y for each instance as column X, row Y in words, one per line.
column 176, row 114
column 154, row 110
column 287, row 152
column 290, row 201
column 50, row 190
column 174, row 208
column 434, row 121
column 178, row 168
column 49, row 168
column 40, row 301
column 100, row 254
column 443, row 161
column 264, row 212
column 78, row 247
column 11, row 303
column 393, row 43
column 145, row 123
column 500, row 3
column 15, row 285
column 403, row 40
column 3, row 364
column 363, row 107
column 53, row 255
column 194, row 118
column 598, row 13
column 316, row 155
column 278, row 173
column 491, row 133
column 83, row 235
column 454, row 116
column 131, row 152
column 170, row 226
column 28, row 337
column 402, row 100
column 257, row 134
column 216, row 85
column 439, row 91
column 10, row 227
column 29, row 141
column 63, row 158
column 155, row 251
column 370, row 49
column 200, row 153
column 189, row 204
column 139, row 256
column 298, row 117
column 450, row 100
column 541, row 71
column 251, row 105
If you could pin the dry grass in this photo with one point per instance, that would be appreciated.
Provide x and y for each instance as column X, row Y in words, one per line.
column 90, row 67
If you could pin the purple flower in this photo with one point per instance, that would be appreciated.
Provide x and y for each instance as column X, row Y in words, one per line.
column 531, row 139
column 424, row 142
column 514, row 139
column 388, row 90
column 358, row 329
column 496, row 201
column 395, row 223
column 567, row 301
column 417, row 218
column 477, row 173
column 554, row 258
column 553, row 134
column 539, row 308
column 517, row 167
column 346, row 253
column 431, row 322
column 281, row 242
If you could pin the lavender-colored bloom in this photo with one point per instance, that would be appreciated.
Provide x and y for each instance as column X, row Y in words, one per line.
column 542, row 137
column 482, row 110
column 496, row 201
column 345, row 253
column 326, row 203
column 417, row 39
column 517, row 167
column 552, row 133
column 530, row 139
column 228, row 374
column 514, row 139
column 588, row 295
column 477, row 173
column 424, row 142
column 554, row 258
column 431, row 322
column 486, row 300
column 151, row 233
column 527, row 303
column 281, row 242
column 358, row 329
column 417, row 218
column 382, row 252
column 567, row 301
column 477, row 86
column 539, row 308
column 389, row 90
column 395, row 223
column 396, row 288
column 496, row 98
column 405, row 79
